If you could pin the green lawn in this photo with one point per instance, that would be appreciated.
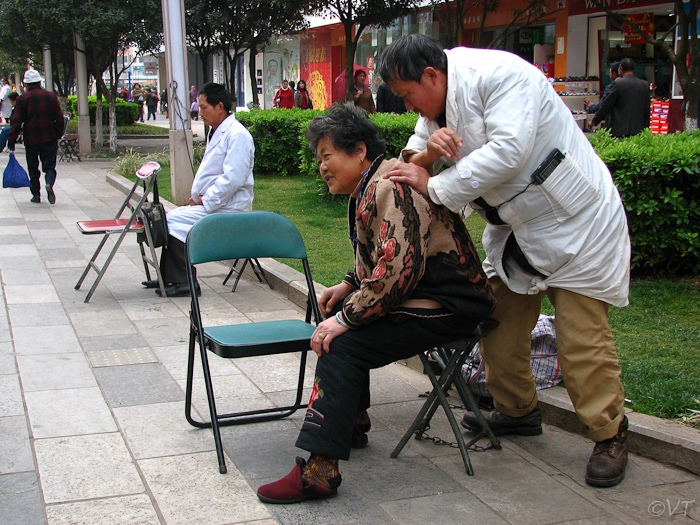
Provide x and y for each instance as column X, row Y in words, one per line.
column 657, row 335
column 136, row 128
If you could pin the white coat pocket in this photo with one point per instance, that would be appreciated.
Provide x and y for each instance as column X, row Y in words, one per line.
column 569, row 189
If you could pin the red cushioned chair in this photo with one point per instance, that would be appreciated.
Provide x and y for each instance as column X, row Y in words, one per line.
column 131, row 223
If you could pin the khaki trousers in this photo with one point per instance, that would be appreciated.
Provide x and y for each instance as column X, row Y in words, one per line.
column 586, row 351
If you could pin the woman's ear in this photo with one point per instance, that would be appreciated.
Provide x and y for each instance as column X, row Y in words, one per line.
column 362, row 150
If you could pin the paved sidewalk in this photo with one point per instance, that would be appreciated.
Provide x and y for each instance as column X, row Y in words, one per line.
column 92, row 408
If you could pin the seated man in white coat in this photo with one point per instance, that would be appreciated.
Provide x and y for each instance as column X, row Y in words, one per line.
column 223, row 184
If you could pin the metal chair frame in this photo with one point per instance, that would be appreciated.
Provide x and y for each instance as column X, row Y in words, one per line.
column 246, row 235
column 450, row 358
column 257, row 270
column 136, row 223
column 67, row 143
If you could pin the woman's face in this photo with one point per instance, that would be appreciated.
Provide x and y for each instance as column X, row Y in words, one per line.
column 302, row 85
column 341, row 172
column 285, row 84
column 360, row 77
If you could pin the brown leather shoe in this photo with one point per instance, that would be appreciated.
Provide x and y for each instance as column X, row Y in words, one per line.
column 528, row 425
column 606, row 467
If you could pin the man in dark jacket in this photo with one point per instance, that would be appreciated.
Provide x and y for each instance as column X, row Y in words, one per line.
column 38, row 115
column 627, row 105
column 387, row 102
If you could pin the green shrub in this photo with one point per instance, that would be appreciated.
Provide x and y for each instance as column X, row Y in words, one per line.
column 277, row 135
column 127, row 112
column 659, row 180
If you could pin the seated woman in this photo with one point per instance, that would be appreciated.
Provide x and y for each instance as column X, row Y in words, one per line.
column 417, row 283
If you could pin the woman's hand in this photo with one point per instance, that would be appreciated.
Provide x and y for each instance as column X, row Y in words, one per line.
column 332, row 295
column 324, row 334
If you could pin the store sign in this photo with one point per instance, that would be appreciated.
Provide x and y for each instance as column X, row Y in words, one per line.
column 645, row 21
column 581, row 7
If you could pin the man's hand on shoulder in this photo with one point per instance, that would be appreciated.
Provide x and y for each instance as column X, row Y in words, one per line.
column 412, row 174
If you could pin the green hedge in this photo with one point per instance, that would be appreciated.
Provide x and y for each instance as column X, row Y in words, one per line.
column 658, row 177
column 127, row 112
column 659, row 180
column 277, row 134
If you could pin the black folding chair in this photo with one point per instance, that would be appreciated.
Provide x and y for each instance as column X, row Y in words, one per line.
column 67, row 144
column 450, row 358
column 122, row 224
column 254, row 265
column 248, row 235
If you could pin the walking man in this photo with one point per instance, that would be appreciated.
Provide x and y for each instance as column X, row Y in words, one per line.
column 39, row 117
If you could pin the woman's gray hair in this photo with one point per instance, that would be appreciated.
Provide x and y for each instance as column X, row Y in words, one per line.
column 346, row 125
column 407, row 57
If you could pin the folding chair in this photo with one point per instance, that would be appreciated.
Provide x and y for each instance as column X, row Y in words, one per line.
column 450, row 358
column 246, row 235
column 146, row 174
column 255, row 266
column 67, row 143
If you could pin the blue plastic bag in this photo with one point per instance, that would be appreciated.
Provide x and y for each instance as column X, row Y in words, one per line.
column 14, row 175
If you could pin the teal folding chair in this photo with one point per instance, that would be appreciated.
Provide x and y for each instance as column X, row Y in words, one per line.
column 248, row 235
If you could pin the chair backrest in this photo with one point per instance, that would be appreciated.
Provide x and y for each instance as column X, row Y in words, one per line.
column 244, row 235
column 66, row 120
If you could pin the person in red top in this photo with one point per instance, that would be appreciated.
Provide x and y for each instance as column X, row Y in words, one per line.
column 38, row 115
column 284, row 98
column 302, row 99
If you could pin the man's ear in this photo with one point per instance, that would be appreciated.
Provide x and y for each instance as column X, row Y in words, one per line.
column 431, row 74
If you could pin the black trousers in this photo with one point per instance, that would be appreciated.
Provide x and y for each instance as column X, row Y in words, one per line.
column 341, row 374
column 46, row 151
column 173, row 262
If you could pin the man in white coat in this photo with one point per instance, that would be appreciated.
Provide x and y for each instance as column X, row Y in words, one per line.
column 556, row 227
column 5, row 104
column 223, row 184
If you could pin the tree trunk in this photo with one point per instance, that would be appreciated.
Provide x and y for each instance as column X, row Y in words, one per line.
column 251, row 72
column 350, row 48
column 204, row 57
column 99, row 135
column 113, row 124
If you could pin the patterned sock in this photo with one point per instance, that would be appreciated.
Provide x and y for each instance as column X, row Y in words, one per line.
column 320, row 469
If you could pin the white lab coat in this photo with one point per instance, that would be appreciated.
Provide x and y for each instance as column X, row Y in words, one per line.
column 5, row 105
column 573, row 228
column 224, row 178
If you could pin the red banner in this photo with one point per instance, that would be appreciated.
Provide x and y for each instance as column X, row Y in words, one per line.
column 645, row 21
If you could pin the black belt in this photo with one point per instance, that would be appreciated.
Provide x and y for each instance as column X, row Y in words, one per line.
column 490, row 212
column 512, row 250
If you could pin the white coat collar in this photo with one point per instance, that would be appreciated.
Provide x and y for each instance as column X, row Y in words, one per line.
column 223, row 127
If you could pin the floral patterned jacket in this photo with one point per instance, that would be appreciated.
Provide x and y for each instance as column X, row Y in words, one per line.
column 407, row 247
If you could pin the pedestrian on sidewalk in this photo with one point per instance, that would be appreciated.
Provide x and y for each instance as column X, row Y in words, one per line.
column 223, row 184
column 417, row 283
column 138, row 96
column 38, row 116
column 151, row 103
column 556, row 227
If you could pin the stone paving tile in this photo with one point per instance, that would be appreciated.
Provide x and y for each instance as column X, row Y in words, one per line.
column 93, row 324
column 519, row 491
column 391, row 479
column 20, row 500
column 85, row 467
column 147, row 308
column 5, row 336
column 25, row 251
column 19, row 238
column 127, row 509
column 11, row 398
column 273, row 373
column 174, row 358
column 113, row 342
column 161, row 430
column 7, row 362
column 16, row 228
column 15, row 452
column 655, row 505
column 456, row 507
column 69, row 412
column 137, row 385
column 189, row 489
column 54, row 372
column 21, row 276
column 30, row 293
column 59, row 339
column 232, row 394
column 164, row 332
column 48, row 314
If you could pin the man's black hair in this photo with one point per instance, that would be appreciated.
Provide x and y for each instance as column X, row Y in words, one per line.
column 614, row 67
column 346, row 125
column 407, row 57
column 215, row 93
column 627, row 64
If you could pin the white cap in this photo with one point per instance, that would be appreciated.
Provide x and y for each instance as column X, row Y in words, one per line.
column 32, row 76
